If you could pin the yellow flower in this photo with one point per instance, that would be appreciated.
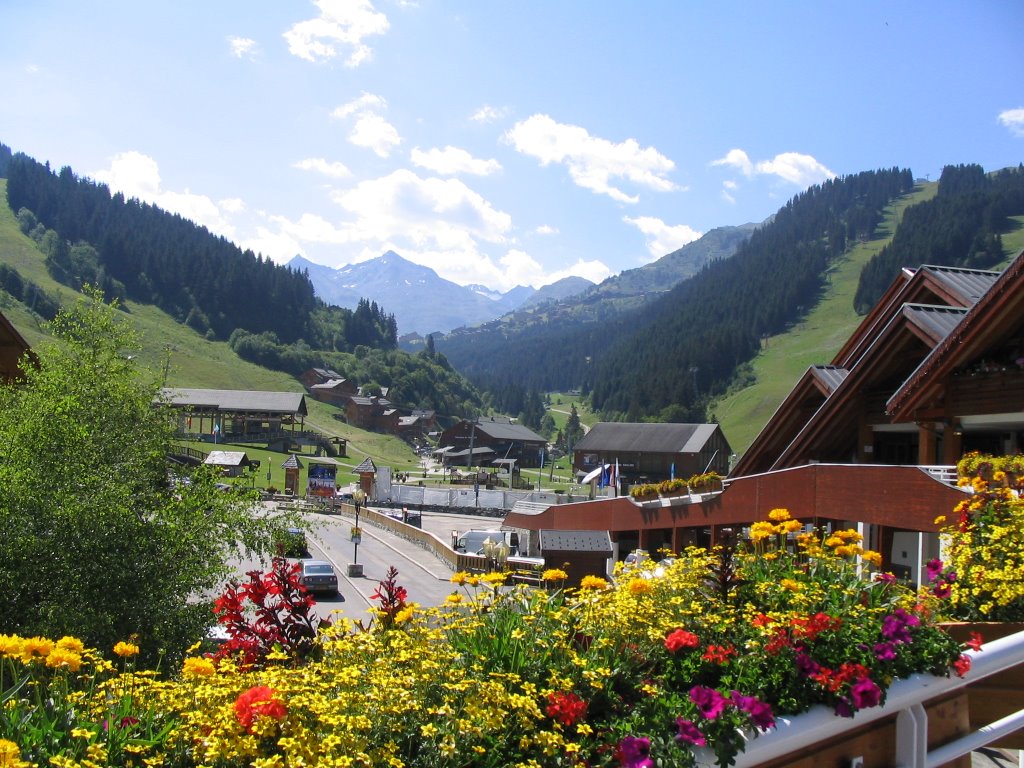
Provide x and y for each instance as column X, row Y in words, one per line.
column 459, row 577
column 792, row 586
column 554, row 574
column 493, row 578
column 639, row 587
column 10, row 755
column 779, row 515
column 64, row 657
column 593, row 582
column 198, row 667
column 453, row 599
column 126, row 650
column 72, row 644
column 35, row 646
column 761, row 530
column 872, row 557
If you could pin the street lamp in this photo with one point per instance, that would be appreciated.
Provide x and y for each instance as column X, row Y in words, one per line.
column 354, row 568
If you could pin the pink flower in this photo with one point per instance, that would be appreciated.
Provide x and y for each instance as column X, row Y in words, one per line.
column 709, row 701
column 865, row 693
column 689, row 733
column 635, row 752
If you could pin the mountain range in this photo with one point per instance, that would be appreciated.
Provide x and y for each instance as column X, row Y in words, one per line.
column 422, row 301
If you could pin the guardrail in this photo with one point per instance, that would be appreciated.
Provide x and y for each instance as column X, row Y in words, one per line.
column 904, row 702
column 421, row 538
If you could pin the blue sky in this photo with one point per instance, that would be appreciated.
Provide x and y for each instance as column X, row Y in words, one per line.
column 502, row 143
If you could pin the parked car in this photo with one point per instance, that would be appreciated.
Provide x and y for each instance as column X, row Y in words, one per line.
column 472, row 542
column 318, row 576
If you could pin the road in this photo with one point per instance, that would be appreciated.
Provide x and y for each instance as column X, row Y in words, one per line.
column 426, row 578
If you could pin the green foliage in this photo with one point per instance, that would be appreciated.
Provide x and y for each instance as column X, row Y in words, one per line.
column 96, row 542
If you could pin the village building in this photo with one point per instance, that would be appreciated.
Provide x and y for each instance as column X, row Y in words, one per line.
column 473, row 441
column 230, row 463
column 12, row 348
column 649, row 453
column 235, row 413
column 869, row 440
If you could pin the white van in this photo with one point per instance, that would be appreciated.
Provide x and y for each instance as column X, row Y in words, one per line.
column 472, row 542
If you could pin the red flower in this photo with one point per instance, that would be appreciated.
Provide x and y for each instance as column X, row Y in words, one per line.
column 962, row 665
column 680, row 639
column 719, row 654
column 566, row 707
column 975, row 642
column 256, row 702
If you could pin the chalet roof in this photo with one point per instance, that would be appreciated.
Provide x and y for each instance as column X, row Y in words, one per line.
column 292, row 462
column 326, row 373
column 829, row 376
column 236, row 400
column 1000, row 309
column 366, row 465
column 361, row 401
column 575, row 541
column 329, row 384
column 628, row 437
column 966, row 285
column 502, row 430
column 936, row 321
column 12, row 347
column 227, row 459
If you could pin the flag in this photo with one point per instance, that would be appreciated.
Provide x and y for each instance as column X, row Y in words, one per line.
column 672, row 476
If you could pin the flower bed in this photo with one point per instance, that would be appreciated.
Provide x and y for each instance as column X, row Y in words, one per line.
column 637, row 674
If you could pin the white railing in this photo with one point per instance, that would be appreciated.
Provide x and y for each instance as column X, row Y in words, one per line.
column 941, row 472
column 905, row 699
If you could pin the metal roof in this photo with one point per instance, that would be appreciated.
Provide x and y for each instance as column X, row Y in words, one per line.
column 226, row 458
column 575, row 541
column 831, row 376
column 501, row 430
column 936, row 320
column 969, row 284
column 237, row 400
column 630, row 437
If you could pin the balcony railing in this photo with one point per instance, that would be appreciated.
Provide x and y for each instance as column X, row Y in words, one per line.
column 905, row 700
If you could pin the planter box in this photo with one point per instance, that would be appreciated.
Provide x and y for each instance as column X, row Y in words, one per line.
column 996, row 696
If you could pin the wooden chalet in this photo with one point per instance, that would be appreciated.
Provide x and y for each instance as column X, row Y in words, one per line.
column 13, row 348
column 505, row 439
column 231, row 413
column 653, row 452
column 869, row 440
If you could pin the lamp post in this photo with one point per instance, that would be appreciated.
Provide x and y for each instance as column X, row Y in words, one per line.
column 354, row 568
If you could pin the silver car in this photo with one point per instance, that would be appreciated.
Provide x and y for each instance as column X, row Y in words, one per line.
column 318, row 576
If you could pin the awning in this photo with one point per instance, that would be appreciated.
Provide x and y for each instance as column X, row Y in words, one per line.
column 594, row 474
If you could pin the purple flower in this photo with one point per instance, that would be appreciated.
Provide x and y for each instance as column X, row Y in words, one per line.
column 934, row 569
column 761, row 714
column 865, row 693
column 843, row 708
column 942, row 591
column 709, row 701
column 689, row 733
column 896, row 625
column 885, row 651
column 807, row 665
column 635, row 752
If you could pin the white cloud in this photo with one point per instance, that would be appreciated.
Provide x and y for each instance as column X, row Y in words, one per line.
column 137, row 175
column 546, row 229
column 370, row 130
column 367, row 102
column 489, row 114
column 320, row 165
column 341, row 27
column 736, row 158
column 452, row 160
column 799, row 169
column 232, row 205
column 663, row 238
column 592, row 162
column 1014, row 120
column 375, row 133
column 241, row 46
column 794, row 167
column 594, row 271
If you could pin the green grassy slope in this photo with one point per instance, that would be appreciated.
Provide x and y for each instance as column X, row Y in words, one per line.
column 192, row 360
column 784, row 358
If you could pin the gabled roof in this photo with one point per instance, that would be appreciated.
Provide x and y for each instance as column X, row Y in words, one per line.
column 935, row 285
column 809, row 393
column 292, row 462
column 631, row 437
column 501, row 430
column 366, row 465
column 999, row 312
column 907, row 337
column 227, row 459
column 329, row 384
column 12, row 347
column 236, row 400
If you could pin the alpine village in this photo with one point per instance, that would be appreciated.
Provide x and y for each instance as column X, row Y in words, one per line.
column 756, row 503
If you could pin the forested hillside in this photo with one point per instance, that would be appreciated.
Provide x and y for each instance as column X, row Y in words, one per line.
column 960, row 227
column 268, row 313
column 664, row 360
